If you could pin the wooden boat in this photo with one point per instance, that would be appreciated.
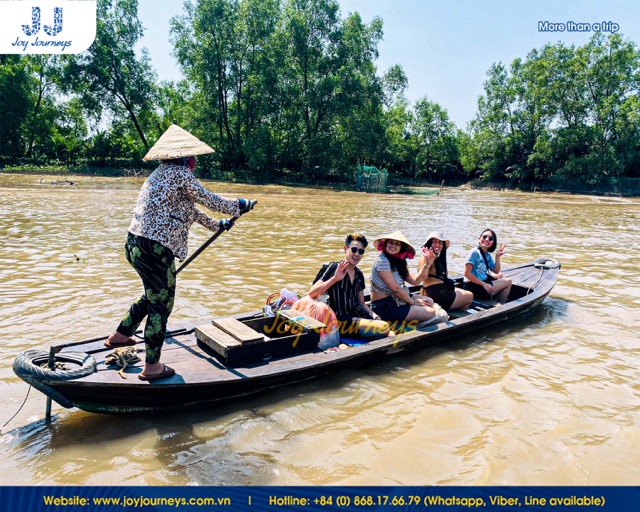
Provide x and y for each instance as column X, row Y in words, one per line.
column 230, row 357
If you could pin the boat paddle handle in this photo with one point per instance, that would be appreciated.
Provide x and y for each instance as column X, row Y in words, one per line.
column 206, row 244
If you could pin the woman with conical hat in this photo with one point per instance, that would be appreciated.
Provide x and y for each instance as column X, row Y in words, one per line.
column 390, row 299
column 437, row 284
column 159, row 233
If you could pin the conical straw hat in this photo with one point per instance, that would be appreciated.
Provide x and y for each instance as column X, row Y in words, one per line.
column 176, row 143
column 399, row 237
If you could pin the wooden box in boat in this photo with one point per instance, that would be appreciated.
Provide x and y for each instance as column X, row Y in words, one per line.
column 240, row 342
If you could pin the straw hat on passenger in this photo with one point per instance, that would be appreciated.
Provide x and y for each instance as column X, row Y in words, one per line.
column 177, row 143
column 438, row 236
column 398, row 237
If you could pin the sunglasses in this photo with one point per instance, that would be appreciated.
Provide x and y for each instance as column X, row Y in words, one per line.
column 356, row 250
column 487, row 237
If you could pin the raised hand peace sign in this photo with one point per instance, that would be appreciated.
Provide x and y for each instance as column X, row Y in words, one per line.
column 429, row 255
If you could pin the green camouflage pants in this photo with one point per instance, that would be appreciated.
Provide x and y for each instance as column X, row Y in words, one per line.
column 155, row 265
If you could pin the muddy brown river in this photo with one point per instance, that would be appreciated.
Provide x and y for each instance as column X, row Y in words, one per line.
column 552, row 399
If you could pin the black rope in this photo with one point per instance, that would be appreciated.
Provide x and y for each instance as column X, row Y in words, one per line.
column 17, row 412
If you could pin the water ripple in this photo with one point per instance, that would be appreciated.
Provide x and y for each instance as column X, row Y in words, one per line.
column 552, row 399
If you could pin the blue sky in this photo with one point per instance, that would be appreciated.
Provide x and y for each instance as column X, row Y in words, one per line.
column 444, row 47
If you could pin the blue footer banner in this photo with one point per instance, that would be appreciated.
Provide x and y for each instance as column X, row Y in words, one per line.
column 503, row 499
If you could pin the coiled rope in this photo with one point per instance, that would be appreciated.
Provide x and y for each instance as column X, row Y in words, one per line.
column 122, row 356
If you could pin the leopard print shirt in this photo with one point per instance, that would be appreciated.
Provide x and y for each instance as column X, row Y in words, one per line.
column 166, row 207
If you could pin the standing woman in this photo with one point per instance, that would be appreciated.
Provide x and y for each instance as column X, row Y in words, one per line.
column 482, row 274
column 390, row 299
column 158, row 234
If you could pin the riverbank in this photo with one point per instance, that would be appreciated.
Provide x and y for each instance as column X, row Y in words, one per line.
column 627, row 187
column 59, row 175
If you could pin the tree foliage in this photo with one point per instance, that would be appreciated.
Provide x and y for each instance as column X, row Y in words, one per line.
column 288, row 86
column 565, row 115
column 110, row 76
column 289, row 89
column 15, row 91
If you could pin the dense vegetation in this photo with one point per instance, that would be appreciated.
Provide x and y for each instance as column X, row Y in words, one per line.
column 288, row 89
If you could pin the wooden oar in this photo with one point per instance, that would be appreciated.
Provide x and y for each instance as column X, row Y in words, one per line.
column 206, row 244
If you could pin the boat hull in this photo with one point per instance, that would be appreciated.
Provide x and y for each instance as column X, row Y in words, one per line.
column 202, row 379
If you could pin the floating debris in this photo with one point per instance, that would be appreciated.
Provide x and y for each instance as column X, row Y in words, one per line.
column 60, row 183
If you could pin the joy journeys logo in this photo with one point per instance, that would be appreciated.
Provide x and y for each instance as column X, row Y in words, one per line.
column 59, row 26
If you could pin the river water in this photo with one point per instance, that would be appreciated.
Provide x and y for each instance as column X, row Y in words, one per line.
column 552, row 399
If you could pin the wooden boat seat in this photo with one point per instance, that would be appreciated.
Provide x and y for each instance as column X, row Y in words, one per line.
column 475, row 307
column 238, row 330
column 225, row 342
column 485, row 304
column 212, row 335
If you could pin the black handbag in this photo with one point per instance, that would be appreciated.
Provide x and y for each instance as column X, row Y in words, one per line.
column 449, row 283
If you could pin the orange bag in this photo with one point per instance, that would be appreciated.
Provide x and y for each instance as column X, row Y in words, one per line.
column 330, row 335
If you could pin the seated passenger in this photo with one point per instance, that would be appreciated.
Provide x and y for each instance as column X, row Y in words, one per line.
column 344, row 283
column 437, row 285
column 482, row 274
column 390, row 299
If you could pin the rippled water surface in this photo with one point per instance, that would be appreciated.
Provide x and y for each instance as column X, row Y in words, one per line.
column 553, row 399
